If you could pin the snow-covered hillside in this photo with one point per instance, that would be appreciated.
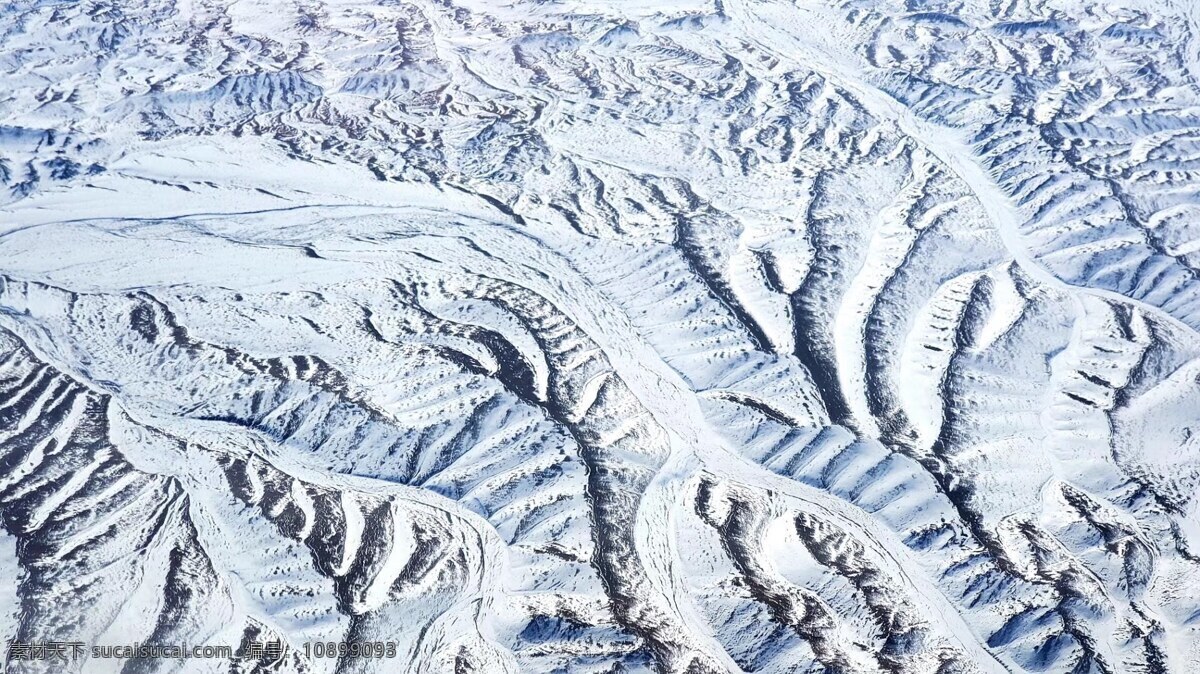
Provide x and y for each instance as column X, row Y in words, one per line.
column 806, row 336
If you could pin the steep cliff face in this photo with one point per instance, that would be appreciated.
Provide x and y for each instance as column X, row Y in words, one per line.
column 743, row 336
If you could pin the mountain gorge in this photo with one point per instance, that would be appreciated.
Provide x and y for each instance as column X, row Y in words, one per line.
column 825, row 336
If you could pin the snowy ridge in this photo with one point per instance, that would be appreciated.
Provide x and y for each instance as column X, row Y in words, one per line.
column 735, row 336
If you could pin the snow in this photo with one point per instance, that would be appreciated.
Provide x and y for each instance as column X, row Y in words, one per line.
column 701, row 336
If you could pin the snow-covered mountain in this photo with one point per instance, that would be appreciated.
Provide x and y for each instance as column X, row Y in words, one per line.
column 836, row 336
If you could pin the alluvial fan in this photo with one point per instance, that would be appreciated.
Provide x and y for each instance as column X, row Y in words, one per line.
column 585, row 336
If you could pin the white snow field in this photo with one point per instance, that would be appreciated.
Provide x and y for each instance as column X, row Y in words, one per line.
column 602, row 336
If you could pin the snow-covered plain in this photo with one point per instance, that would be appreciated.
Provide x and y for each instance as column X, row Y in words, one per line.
column 773, row 336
